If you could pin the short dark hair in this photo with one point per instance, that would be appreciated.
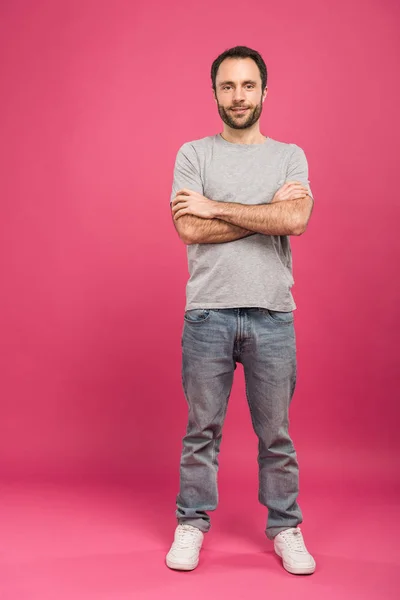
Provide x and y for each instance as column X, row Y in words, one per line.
column 240, row 52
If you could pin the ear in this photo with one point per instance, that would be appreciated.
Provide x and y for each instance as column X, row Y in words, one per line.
column 264, row 94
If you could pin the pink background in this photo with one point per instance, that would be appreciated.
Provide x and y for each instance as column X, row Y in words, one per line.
column 96, row 99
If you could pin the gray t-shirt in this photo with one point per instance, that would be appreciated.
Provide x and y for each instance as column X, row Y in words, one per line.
column 255, row 271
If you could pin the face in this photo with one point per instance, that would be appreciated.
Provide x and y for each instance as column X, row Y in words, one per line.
column 238, row 94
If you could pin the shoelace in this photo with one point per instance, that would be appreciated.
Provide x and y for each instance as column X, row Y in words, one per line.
column 186, row 537
column 294, row 538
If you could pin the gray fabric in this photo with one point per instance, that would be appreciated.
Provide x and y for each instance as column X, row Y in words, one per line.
column 251, row 272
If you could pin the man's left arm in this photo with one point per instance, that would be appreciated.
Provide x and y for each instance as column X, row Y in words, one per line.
column 287, row 214
column 288, row 217
column 281, row 216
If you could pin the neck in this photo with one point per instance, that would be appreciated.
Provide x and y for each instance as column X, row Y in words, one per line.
column 252, row 135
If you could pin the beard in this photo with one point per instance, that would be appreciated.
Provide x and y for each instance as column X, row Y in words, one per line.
column 240, row 121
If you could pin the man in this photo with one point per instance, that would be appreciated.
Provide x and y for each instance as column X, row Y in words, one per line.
column 236, row 198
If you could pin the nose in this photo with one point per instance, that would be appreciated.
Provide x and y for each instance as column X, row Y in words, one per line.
column 238, row 94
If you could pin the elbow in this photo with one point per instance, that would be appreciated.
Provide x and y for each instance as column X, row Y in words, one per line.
column 188, row 241
column 299, row 230
column 299, row 227
column 185, row 232
column 300, row 223
column 187, row 236
column 303, row 217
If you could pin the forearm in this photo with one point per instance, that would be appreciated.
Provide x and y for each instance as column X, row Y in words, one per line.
column 279, row 218
column 195, row 230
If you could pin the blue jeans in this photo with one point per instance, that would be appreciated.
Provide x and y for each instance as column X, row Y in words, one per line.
column 213, row 342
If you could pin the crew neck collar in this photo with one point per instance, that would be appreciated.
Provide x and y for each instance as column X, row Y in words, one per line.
column 225, row 142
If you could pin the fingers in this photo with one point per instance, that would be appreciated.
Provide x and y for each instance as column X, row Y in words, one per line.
column 292, row 190
column 294, row 185
column 185, row 192
column 297, row 196
column 294, row 196
column 179, row 206
column 290, row 194
column 179, row 213
column 295, row 190
column 179, row 199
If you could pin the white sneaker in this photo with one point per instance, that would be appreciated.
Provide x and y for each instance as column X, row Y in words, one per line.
column 185, row 550
column 290, row 546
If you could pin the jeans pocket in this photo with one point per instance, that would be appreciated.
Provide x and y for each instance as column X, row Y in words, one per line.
column 196, row 315
column 278, row 316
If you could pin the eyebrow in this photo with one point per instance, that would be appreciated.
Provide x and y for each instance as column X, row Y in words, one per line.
column 233, row 83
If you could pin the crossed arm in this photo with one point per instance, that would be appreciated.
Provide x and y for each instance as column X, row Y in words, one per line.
column 199, row 220
column 196, row 230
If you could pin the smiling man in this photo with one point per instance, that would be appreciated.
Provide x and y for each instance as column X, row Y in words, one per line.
column 236, row 198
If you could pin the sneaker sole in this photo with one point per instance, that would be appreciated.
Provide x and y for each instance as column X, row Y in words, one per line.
column 180, row 567
column 296, row 570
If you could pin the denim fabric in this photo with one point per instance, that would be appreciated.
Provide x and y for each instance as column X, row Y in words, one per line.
column 213, row 342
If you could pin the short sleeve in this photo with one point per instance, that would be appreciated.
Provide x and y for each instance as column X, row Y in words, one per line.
column 186, row 171
column 297, row 169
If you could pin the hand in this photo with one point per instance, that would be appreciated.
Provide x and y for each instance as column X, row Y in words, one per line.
column 291, row 190
column 187, row 202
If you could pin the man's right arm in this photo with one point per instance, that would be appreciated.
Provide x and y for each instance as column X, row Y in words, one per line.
column 191, row 229
column 194, row 230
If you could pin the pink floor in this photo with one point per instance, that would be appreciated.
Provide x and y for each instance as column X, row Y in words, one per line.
column 83, row 542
